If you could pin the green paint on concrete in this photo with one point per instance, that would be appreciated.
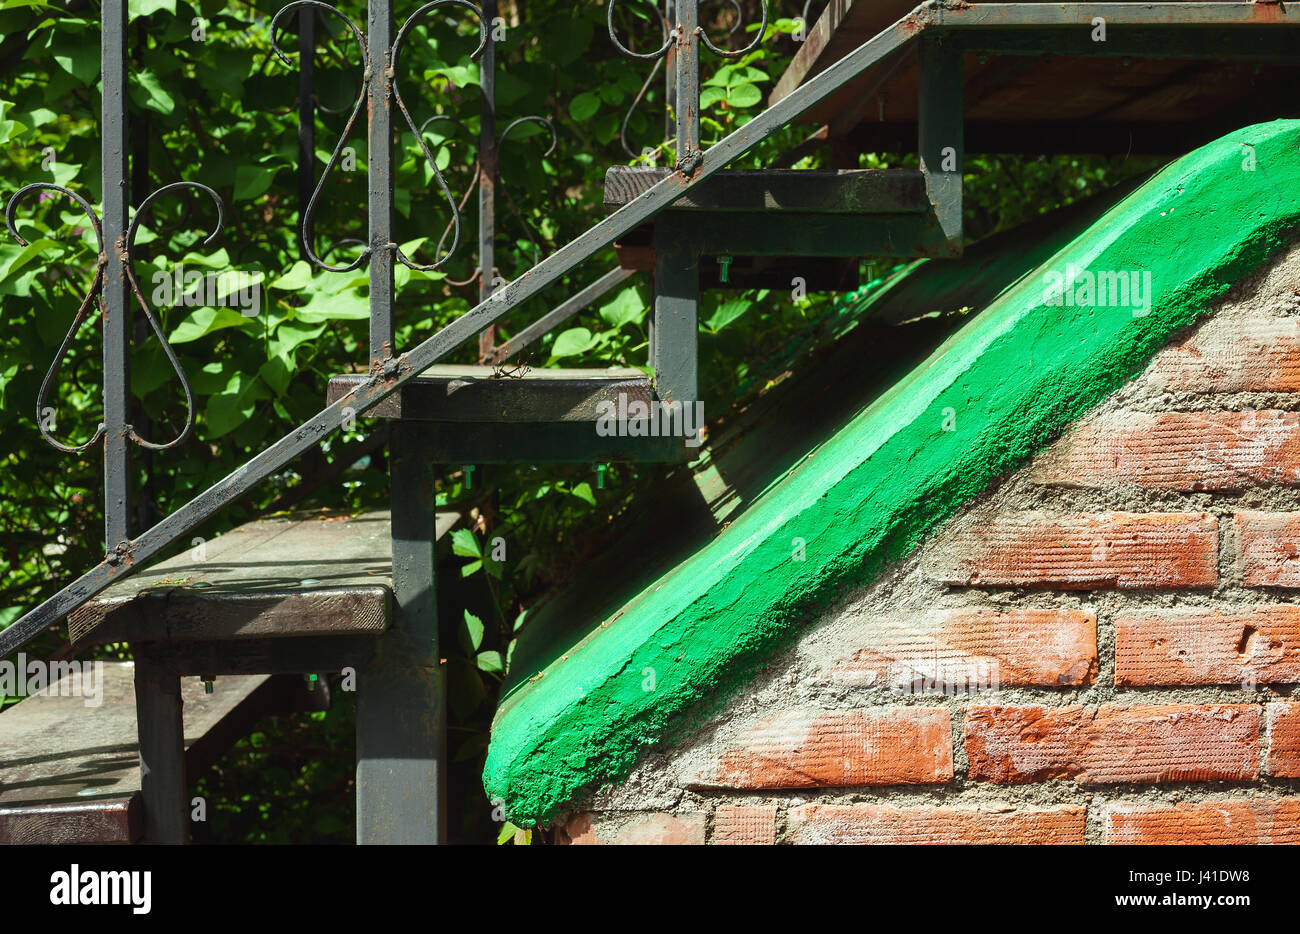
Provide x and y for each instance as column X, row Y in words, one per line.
column 1013, row 376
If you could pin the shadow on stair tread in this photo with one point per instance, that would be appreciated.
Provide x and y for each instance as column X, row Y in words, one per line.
column 297, row 576
column 70, row 773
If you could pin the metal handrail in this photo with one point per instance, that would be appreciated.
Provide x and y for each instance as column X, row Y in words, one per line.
column 389, row 373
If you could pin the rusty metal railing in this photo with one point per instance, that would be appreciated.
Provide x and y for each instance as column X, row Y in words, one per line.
column 390, row 371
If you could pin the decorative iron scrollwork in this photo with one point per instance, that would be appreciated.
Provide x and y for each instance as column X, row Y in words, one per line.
column 94, row 295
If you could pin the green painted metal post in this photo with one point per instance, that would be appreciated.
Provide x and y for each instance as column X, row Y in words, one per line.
column 941, row 133
column 401, row 694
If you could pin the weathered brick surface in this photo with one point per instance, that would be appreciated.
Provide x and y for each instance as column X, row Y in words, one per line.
column 1258, row 644
column 874, row 823
column 816, row 748
column 1113, row 743
column 1177, row 451
column 1261, row 820
column 1269, row 548
column 958, row 651
column 1255, row 353
column 752, row 825
column 656, row 829
column 1284, row 740
column 1118, row 549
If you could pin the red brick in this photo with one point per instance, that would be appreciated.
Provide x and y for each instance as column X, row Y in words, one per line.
column 1112, row 743
column 816, row 748
column 744, row 825
column 1269, row 548
column 876, row 823
column 981, row 648
column 1184, row 451
column 1252, row 644
column 639, row 829
column 1284, row 740
column 1234, row 353
column 1117, row 549
column 1261, row 820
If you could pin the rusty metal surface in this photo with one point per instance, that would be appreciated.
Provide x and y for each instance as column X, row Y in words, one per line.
column 1037, row 63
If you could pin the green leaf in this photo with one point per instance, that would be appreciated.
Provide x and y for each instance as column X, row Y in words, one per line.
column 290, row 334
column 571, row 343
column 298, row 277
column 465, row 543
column 346, row 306
column 77, row 53
column 203, row 321
column 726, row 313
column 137, row 8
column 583, row 492
column 506, row 833
column 744, row 95
column 147, row 91
column 626, row 307
column 471, row 569
column 471, row 633
column 231, row 409
column 491, row 662
column 252, row 181
column 710, row 96
column 584, row 106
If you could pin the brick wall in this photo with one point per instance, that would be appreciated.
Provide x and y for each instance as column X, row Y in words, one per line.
column 1103, row 649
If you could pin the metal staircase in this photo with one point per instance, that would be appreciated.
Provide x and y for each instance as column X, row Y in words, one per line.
column 695, row 225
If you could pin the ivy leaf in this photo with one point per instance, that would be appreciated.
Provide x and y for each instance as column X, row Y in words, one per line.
column 471, row 633
column 465, row 544
column 583, row 107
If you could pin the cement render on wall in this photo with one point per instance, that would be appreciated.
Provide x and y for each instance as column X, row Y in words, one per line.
column 793, row 680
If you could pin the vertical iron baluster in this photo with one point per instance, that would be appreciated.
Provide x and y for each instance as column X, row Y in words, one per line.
column 379, row 155
column 306, row 116
column 670, row 75
column 117, row 332
column 487, row 178
column 687, row 89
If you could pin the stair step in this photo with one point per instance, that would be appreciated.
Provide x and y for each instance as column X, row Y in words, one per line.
column 751, row 214
column 70, row 773
column 470, row 394
column 270, row 579
column 483, row 414
column 798, row 191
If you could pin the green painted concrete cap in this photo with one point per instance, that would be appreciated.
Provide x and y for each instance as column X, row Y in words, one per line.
column 1013, row 377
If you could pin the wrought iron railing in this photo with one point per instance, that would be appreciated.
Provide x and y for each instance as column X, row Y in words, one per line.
column 389, row 371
